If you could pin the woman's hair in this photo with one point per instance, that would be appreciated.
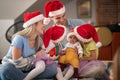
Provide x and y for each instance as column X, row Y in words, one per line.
column 116, row 65
column 29, row 32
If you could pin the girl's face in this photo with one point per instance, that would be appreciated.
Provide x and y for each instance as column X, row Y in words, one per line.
column 73, row 39
column 40, row 27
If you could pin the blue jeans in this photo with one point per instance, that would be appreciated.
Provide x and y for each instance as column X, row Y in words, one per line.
column 10, row 72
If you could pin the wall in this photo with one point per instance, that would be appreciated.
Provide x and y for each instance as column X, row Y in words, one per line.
column 107, row 12
column 4, row 45
column 119, row 12
column 10, row 9
column 71, row 10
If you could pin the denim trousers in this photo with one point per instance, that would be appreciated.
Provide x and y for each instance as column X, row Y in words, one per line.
column 10, row 72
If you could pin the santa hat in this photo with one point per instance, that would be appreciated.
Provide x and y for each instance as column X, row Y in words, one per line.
column 71, row 32
column 53, row 8
column 31, row 18
column 86, row 33
column 54, row 34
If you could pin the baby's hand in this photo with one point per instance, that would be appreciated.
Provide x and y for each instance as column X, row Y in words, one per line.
column 80, row 56
column 76, row 49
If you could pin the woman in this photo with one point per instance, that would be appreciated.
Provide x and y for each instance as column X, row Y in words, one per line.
column 24, row 49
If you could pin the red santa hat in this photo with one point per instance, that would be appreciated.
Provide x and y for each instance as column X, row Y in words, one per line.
column 31, row 18
column 53, row 8
column 86, row 33
column 54, row 34
column 71, row 32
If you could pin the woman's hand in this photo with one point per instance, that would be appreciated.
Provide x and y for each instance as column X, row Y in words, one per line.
column 40, row 52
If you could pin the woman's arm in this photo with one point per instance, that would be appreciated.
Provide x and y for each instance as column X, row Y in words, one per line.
column 16, row 53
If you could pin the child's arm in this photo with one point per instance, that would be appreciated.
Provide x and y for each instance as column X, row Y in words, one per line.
column 79, row 47
column 92, row 57
column 80, row 55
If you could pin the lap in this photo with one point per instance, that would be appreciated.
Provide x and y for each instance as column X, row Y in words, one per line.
column 49, row 72
column 91, row 68
column 11, row 71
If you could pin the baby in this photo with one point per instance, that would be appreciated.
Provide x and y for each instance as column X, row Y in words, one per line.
column 73, row 52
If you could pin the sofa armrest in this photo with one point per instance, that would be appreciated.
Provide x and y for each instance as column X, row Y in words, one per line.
column 115, row 42
column 105, row 53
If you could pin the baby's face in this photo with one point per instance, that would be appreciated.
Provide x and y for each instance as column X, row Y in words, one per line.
column 73, row 39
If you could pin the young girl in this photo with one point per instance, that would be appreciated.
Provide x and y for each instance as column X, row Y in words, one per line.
column 50, row 36
column 89, row 66
column 73, row 51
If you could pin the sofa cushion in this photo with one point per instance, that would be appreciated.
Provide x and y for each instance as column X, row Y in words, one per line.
column 105, row 35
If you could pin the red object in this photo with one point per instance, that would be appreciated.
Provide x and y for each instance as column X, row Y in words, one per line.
column 86, row 32
column 53, row 8
column 54, row 34
column 32, row 17
column 52, row 52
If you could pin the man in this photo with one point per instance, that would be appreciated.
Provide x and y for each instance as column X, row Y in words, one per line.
column 55, row 11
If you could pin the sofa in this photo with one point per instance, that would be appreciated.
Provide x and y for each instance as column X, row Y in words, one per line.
column 110, row 41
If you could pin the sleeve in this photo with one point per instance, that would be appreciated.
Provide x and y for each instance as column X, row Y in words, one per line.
column 17, row 41
column 22, row 63
column 79, row 21
column 79, row 47
column 76, row 22
column 92, row 45
column 65, row 46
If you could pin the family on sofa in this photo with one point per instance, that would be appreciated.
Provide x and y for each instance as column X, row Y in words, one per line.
column 24, row 60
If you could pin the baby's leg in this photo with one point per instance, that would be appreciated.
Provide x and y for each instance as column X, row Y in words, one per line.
column 75, row 64
column 39, row 68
